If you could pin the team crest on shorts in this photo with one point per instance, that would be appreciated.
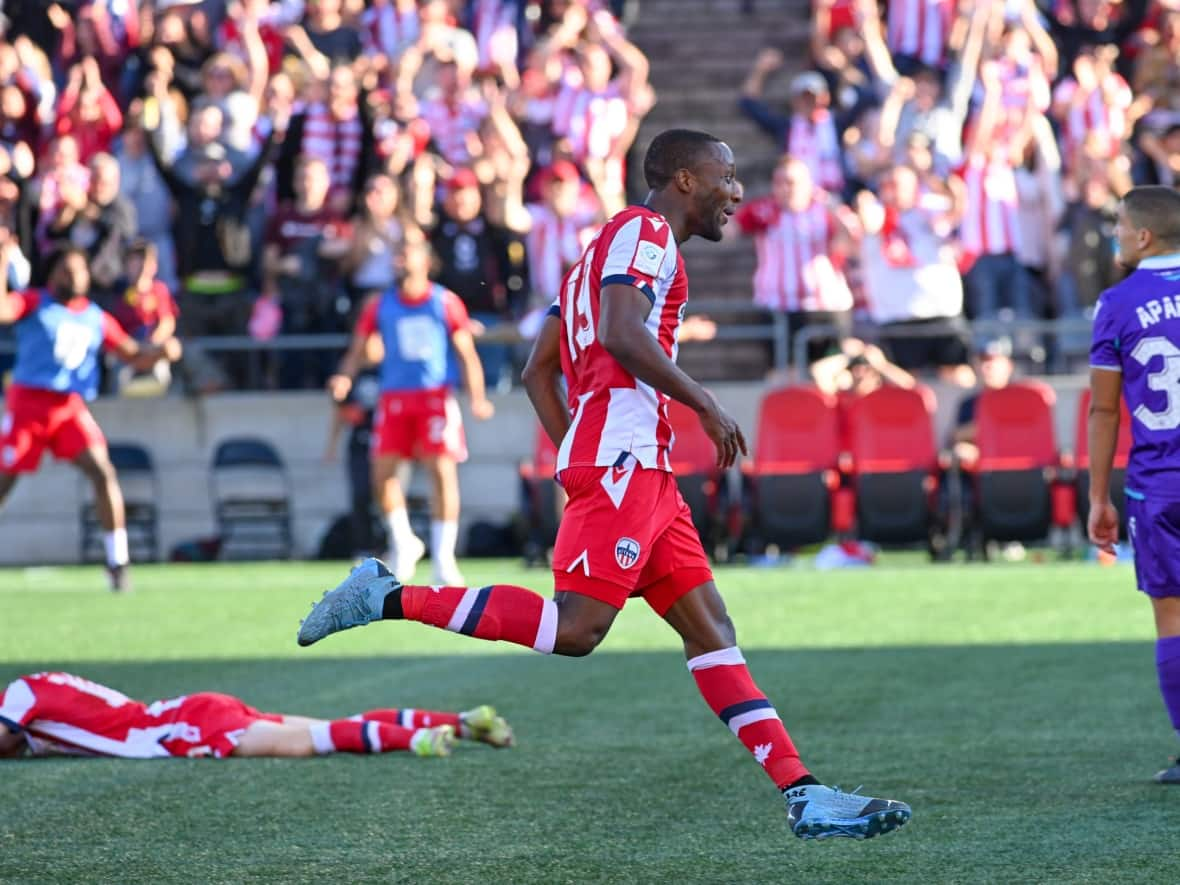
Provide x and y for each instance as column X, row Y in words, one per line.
column 626, row 552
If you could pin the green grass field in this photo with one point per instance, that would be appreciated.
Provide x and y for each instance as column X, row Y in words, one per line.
column 1015, row 707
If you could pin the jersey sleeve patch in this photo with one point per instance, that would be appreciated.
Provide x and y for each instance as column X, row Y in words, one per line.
column 648, row 258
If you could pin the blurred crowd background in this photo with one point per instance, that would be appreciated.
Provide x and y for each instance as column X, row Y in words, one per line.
column 949, row 170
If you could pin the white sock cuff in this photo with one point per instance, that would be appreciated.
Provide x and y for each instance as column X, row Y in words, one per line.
column 723, row 657
column 547, row 629
column 399, row 523
column 116, row 547
column 321, row 738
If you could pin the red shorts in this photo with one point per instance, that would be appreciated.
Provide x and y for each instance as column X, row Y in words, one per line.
column 213, row 724
column 417, row 423
column 36, row 420
column 627, row 532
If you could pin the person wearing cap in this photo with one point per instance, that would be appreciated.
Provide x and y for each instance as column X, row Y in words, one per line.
column 558, row 226
column 808, row 132
column 480, row 260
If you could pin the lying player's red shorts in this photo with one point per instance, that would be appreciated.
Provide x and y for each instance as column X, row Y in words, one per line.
column 215, row 723
column 417, row 423
column 36, row 420
column 626, row 531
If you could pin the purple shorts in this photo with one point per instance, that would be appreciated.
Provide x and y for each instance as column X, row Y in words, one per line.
column 1154, row 527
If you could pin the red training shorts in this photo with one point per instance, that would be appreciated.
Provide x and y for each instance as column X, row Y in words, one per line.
column 214, row 724
column 36, row 420
column 626, row 531
column 419, row 423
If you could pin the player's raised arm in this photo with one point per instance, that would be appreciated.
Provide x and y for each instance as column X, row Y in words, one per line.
column 542, row 378
column 622, row 331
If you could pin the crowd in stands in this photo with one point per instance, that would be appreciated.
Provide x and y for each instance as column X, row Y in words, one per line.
column 958, row 161
column 251, row 167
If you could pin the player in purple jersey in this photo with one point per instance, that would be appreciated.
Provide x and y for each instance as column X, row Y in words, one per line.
column 1136, row 354
column 60, row 334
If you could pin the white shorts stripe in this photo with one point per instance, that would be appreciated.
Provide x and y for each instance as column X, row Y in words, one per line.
column 737, row 723
column 407, row 717
column 373, row 734
column 459, row 618
column 725, row 657
column 547, row 629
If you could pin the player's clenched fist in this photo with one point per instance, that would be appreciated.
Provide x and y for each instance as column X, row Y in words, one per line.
column 338, row 386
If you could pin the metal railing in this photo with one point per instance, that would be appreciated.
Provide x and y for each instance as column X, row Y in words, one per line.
column 1026, row 335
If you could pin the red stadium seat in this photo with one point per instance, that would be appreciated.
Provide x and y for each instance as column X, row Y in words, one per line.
column 701, row 483
column 894, row 463
column 1082, row 459
column 1017, row 464
column 792, row 476
column 539, row 494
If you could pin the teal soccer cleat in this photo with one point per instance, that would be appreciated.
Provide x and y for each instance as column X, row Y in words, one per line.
column 356, row 601
column 819, row 812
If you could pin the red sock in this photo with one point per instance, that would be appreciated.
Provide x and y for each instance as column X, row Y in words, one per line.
column 350, row 736
column 729, row 690
column 410, row 718
column 499, row 611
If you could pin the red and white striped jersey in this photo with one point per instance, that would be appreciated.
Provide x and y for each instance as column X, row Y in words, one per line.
column 593, row 122
column 990, row 221
column 614, row 413
column 554, row 244
column 795, row 270
column 920, row 28
column 451, row 123
column 388, row 29
column 61, row 713
column 1100, row 112
column 493, row 22
column 1023, row 85
column 337, row 142
column 816, row 143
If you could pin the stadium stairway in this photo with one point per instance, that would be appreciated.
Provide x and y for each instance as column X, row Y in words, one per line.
column 700, row 52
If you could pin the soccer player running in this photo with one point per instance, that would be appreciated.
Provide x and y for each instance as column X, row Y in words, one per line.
column 1136, row 354
column 426, row 335
column 626, row 531
column 50, row 714
column 59, row 335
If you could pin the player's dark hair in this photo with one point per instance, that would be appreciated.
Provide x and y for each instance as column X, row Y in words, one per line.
column 1155, row 207
column 673, row 150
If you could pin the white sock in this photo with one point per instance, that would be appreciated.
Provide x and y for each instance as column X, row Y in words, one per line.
column 444, row 533
column 321, row 738
column 399, row 526
column 116, row 546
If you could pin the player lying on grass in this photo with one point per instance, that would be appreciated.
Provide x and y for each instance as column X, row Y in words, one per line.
column 626, row 530
column 62, row 714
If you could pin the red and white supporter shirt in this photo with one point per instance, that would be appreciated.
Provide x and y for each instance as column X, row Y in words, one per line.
column 991, row 221
column 795, row 270
column 614, row 413
column 64, row 714
column 920, row 28
column 554, row 243
column 1100, row 112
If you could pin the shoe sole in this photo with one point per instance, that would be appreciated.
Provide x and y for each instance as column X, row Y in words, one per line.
column 311, row 628
column 864, row 828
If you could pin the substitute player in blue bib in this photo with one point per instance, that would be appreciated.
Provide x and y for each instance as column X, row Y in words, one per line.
column 59, row 336
column 1136, row 354
column 426, row 335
